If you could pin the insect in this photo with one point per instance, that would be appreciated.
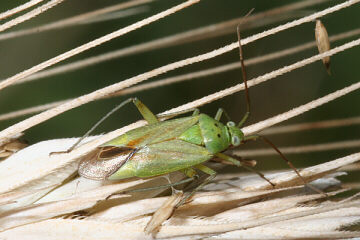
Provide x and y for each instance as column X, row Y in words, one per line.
column 161, row 147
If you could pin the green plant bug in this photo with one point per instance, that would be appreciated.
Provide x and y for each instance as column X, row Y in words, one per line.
column 161, row 147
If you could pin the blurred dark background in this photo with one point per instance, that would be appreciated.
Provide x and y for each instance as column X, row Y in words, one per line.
column 268, row 99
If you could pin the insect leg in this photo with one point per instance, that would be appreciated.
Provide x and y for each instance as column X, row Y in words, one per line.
column 173, row 190
column 219, row 114
column 196, row 112
column 211, row 176
column 145, row 112
column 239, row 164
column 246, row 162
column 267, row 141
column 159, row 187
column 189, row 172
column 153, row 188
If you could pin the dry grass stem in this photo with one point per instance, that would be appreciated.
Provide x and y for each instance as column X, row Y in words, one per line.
column 300, row 149
column 43, row 196
column 175, row 79
column 228, row 67
column 142, row 47
column 163, row 213
column 82, row 198
column 351, row 167
column 199, row 58
column 31, row 110
column 192, row 35
column 18, row 9
column 299, row 110
column 115, row 15
column 263, row 78
column 21, row 126
column 94, row 43
column 73, row 20
column 172, row 231
column 29, row 15
column 163, row 43
column 312, row 125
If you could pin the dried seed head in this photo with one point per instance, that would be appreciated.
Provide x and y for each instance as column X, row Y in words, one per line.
column 11, row 147
column 323, row 43
column 163, row 213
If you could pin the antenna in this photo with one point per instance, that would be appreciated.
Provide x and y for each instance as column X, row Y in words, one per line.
column 244, row 75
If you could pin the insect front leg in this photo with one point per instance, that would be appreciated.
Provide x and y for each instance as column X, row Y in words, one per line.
column 239, row 164
column 267, row 141
column 158, row 187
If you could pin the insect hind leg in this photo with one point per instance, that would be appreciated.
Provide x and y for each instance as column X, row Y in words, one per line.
column 144, row 111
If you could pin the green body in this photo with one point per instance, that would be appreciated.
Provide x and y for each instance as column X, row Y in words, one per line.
column 161, row 147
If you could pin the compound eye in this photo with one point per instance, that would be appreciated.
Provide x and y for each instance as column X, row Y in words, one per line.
column 230, row 124
column 235, row 141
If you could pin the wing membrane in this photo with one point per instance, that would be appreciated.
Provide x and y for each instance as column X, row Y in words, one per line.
column 94, row 167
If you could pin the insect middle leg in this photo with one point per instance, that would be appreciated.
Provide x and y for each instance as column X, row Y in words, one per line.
column 189, row 172
column 239, row 164
column 205, row 169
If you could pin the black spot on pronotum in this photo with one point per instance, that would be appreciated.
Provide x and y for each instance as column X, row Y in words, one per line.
column 216, row 125
column 219, row 135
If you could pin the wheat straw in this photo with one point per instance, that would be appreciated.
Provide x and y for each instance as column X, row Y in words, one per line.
column 95, row 43
column 312, row 125
column 18, row 9
column 299, row 110
column 30, row 110
column 184, row 77
column 300, row 149
column 72, row 20
column 354, row 185
column 172, row 40
column 218, row 224
column 29, row 15
column 21, row 126
column 230, row 66
column 115, row 15
column 263, row 78
column 192, row 35
column 173, row 231
column 182, row 63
